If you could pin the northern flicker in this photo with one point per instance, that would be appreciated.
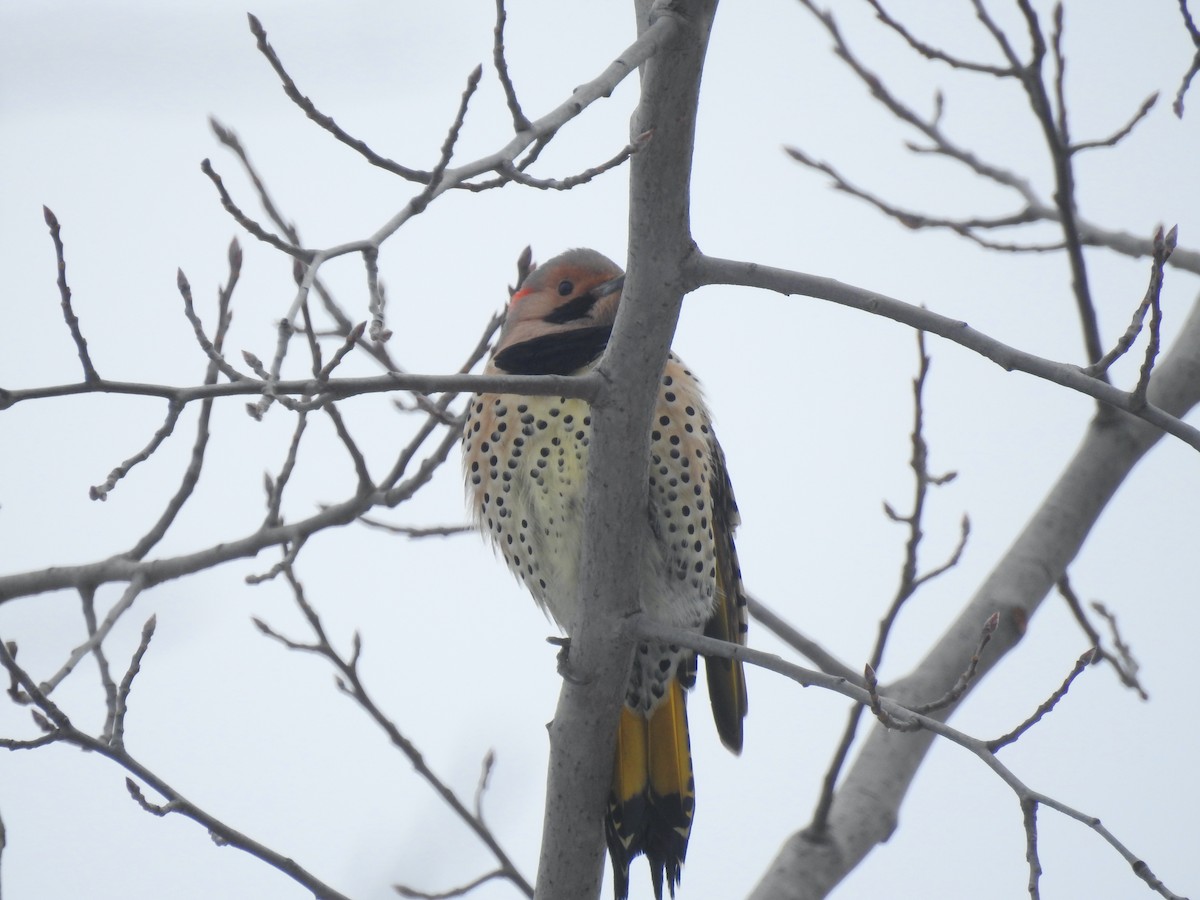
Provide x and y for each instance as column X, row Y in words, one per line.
column 525, row 461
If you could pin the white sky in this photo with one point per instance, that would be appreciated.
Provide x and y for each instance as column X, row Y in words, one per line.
column 103, row 110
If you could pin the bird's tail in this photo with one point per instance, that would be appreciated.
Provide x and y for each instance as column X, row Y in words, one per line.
column 653, row 793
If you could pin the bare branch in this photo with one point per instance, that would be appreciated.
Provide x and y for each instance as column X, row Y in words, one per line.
column 802, row 644
column 249, row 224
column 1058, row 141
column 874, row 786
column 344, row 325
column 1121, row 133
column 96, row 633
column 1128, row 665
column 929, row 127
column 24, row 691
column 227, row 137
column 1162, row 252
column 565, row 184
column 88, row 597
column 1082, row 663
column 414, row 531
column 275, row 487
column 191, row 475
column 64, row 290
column 1154, row 293
column 185, row 291
column 324, row 121
column 520, row 122
column 101, row 491
column 710, row 270
column 380, row 333
column 903, row 718
column 290, row 552
column 582, row 386
column 117, row 733
column 969, row 227
column 911, row 580
column 365, row 482
column 405, row 891
column 955, row 693
column 350, row 682
column 934, row 53
column 1194, row 34
column 1029, row 813
column 63, row 731
column 890, row 722
column 1123, row 664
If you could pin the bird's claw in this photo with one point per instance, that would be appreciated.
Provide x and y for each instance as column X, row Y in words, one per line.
column 565, row 670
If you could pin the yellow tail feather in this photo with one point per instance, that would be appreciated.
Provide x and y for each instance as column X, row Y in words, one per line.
column 653, row 794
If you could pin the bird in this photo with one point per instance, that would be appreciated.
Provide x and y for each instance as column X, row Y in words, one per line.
column 525, row 465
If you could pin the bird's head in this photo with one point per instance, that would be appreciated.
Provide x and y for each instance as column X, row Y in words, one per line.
column 560, row 319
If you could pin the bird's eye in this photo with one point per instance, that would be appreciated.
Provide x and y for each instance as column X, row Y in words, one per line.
column 565, row 287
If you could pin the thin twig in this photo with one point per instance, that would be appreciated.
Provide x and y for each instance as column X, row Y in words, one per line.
column 1058, row 141
column 1123, row 664
column 1128, row 665
column 101, row 491
column 96, row 635
column 1163, row 247
column 1155, row 294
column 365, row 483
column 889, row 721
column 191, row 475
column 572, row 181
column 1029, row 813
column 352, row 340
column 117, row 733
column 1186, row 82
column 3, row 838
column 414, row 531
column 911, row 579
column 276, row 485
column 802, row 644
column 379, row 332
column 344, row 325
column 87, row 595
column 955, row 693
column 711, row 647
column 270, row 390
column 324, row 121
column 405, row 891
column 350, row 683
column 64, row 291
column 485, row 775
column 1082, row 663
column 174, row 406
column 60, row 730
column 934, row 53
column 290, row 552
column 520, row 121
column 248, row 223
column 189, row 310
column 711, row 270
column 1121, row 133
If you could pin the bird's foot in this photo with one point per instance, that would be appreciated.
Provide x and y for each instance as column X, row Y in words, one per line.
column 565, row 670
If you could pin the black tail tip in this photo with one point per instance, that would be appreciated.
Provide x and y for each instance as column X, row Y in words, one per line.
column 672, row 870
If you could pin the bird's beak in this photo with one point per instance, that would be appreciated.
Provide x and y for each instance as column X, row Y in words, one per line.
column 609, row 287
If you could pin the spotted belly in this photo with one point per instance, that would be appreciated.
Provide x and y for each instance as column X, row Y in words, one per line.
column 526, row 468
column 526, row 473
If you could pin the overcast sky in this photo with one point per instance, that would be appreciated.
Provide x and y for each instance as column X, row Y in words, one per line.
column 104, row 113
